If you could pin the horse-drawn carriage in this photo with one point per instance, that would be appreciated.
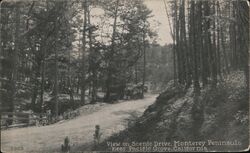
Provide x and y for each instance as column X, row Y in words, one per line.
column 130, row 91
column 135, row 91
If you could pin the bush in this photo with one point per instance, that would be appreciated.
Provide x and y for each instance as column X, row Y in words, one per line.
column 66, row 146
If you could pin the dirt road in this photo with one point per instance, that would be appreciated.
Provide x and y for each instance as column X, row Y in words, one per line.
column 112, row 118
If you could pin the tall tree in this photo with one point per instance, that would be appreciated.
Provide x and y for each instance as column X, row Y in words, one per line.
column 83, row 71
column 111, row 54
column 14, row 61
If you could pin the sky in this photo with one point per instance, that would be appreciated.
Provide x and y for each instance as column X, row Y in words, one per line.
column 159, row 12
column 159, row 16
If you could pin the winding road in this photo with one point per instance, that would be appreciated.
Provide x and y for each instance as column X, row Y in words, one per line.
column 112, row 119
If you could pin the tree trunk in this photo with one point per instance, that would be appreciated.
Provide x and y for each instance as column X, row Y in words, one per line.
column 214, row 52
column 83, row 82
column 14, row 61
column 144, row 65
column 56, row 85
column 42, row 86
column 194, row 41
column 218, row 42
column 91, row 61
column 182, row 42
column 110, row 64
column 177, row 45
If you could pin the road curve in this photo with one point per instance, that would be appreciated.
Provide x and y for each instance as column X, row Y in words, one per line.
column 112, row 118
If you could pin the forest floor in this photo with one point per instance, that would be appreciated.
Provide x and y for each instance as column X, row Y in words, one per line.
column 112, row 119
column 216, row 115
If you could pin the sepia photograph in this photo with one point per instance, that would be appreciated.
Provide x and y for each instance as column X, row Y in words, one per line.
column 119, row 76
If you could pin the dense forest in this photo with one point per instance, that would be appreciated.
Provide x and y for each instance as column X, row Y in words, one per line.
column 208, row 99
column 57, row 55
column 210, row 39
column 83, row 60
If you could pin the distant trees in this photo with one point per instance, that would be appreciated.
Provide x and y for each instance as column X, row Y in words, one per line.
column 159, row 66
column 211, row 39
column 130, row 37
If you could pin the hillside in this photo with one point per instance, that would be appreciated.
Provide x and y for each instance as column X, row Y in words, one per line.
column 218, row 117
